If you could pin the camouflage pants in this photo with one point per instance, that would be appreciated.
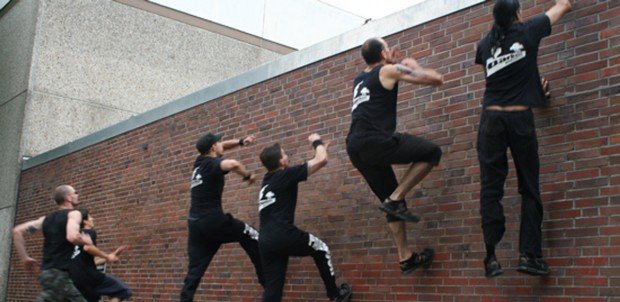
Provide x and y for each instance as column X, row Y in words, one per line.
column 57, row 287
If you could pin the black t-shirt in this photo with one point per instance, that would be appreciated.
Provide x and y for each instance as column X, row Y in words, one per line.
column 373, row 111
column 512, row 76
column 83, row 270
column 278, row 198
column 56, row 249
column 207, row 187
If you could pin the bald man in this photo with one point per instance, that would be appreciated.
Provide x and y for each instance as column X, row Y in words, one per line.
column 374, row 145
column 61, row 231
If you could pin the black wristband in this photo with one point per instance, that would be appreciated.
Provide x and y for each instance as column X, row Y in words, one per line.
column 241, row 143
column 316, row 143
column 247, row 177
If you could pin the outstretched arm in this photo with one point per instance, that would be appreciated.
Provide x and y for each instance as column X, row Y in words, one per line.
column 320, row 154
column 560, row 8
column 20, row 244
column 410, row 71
column 233, row 143
column 239, row 168
column 116, row 253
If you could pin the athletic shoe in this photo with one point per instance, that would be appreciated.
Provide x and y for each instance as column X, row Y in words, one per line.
column 492, row 268
column 533, row 266
column 417, row 260
column 345, row 293
column 399, row 210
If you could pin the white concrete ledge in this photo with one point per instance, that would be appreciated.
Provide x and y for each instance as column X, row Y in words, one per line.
column 410, row 17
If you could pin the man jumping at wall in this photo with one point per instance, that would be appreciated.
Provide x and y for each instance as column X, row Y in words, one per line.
column 83, row 270
column 509, row 56
column 209, row 227
column 373, row 145
column 280, row 238
column 61, row 231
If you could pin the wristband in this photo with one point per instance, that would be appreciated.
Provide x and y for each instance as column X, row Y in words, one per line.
column 247, row 177
column 241, row 143
column 317, row 143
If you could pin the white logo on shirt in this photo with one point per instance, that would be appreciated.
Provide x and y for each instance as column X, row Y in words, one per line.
column 196, row 179
column 497, row 62
column 76, row 252
column 265, row 199
column 360, row 96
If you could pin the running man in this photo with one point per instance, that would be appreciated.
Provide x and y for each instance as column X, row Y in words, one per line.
column 209, row 227
column 513, row 86
column 83, row 270
column 61, row 231
column 280, row 238
column 373, row 145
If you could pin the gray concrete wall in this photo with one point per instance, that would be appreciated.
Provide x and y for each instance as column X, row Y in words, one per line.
column 98, row 62
column 17, row 28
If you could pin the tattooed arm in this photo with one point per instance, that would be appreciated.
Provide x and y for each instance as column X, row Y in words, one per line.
column 20, row 244
column 410, row 71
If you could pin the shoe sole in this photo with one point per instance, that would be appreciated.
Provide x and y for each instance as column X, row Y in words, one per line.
column 495, row 274
column 347, row 298
column 532, row 271
column 425, row 265
column 406, row 218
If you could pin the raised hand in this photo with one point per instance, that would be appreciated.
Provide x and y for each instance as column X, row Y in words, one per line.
column 249, row 140
column 313, row 137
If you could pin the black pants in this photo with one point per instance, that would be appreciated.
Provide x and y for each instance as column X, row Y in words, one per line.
column 276, row 248
column 375, row 160
column 499, row 131
column 205, row 237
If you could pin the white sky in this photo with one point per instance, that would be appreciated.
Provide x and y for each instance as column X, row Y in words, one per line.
column 295, row 23
column 375, row 9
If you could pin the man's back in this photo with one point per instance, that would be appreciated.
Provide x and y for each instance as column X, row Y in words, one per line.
column 57, row 250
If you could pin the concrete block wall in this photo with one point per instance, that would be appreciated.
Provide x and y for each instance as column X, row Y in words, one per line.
column 97, row 63
column 136, row 184
column 17, row 28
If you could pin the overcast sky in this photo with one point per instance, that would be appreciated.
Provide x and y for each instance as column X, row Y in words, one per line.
column 294, row 23
column 374, row 9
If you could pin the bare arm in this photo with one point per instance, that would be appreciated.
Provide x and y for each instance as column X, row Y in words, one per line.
column 73, row 230
column 409, row 71
column 320, row 155
column 20, row 244
column 96, row 252
column 239, row 168
column 117, row 252
column 558, row 10
column 233, row 143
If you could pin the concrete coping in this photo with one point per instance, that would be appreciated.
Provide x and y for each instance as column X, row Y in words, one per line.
column 397, row 22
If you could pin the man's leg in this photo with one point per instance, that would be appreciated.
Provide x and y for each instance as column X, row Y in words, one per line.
column 57, row 286
column 200, row 254
column 310, row 245
column 274, row 271
column 382, row 182
column 413, row 176
column 422, row 154
column 524, row 149
column 114, row 288
column 249, row 243
column 491, row 146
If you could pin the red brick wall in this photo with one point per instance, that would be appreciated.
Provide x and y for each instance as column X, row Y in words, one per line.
column 136, row 184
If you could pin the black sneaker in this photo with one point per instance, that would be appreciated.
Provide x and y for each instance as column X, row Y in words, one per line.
column 417, row 260
column 344, row 294
column 533, row 266
column 492, row 268
column 399, row 210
